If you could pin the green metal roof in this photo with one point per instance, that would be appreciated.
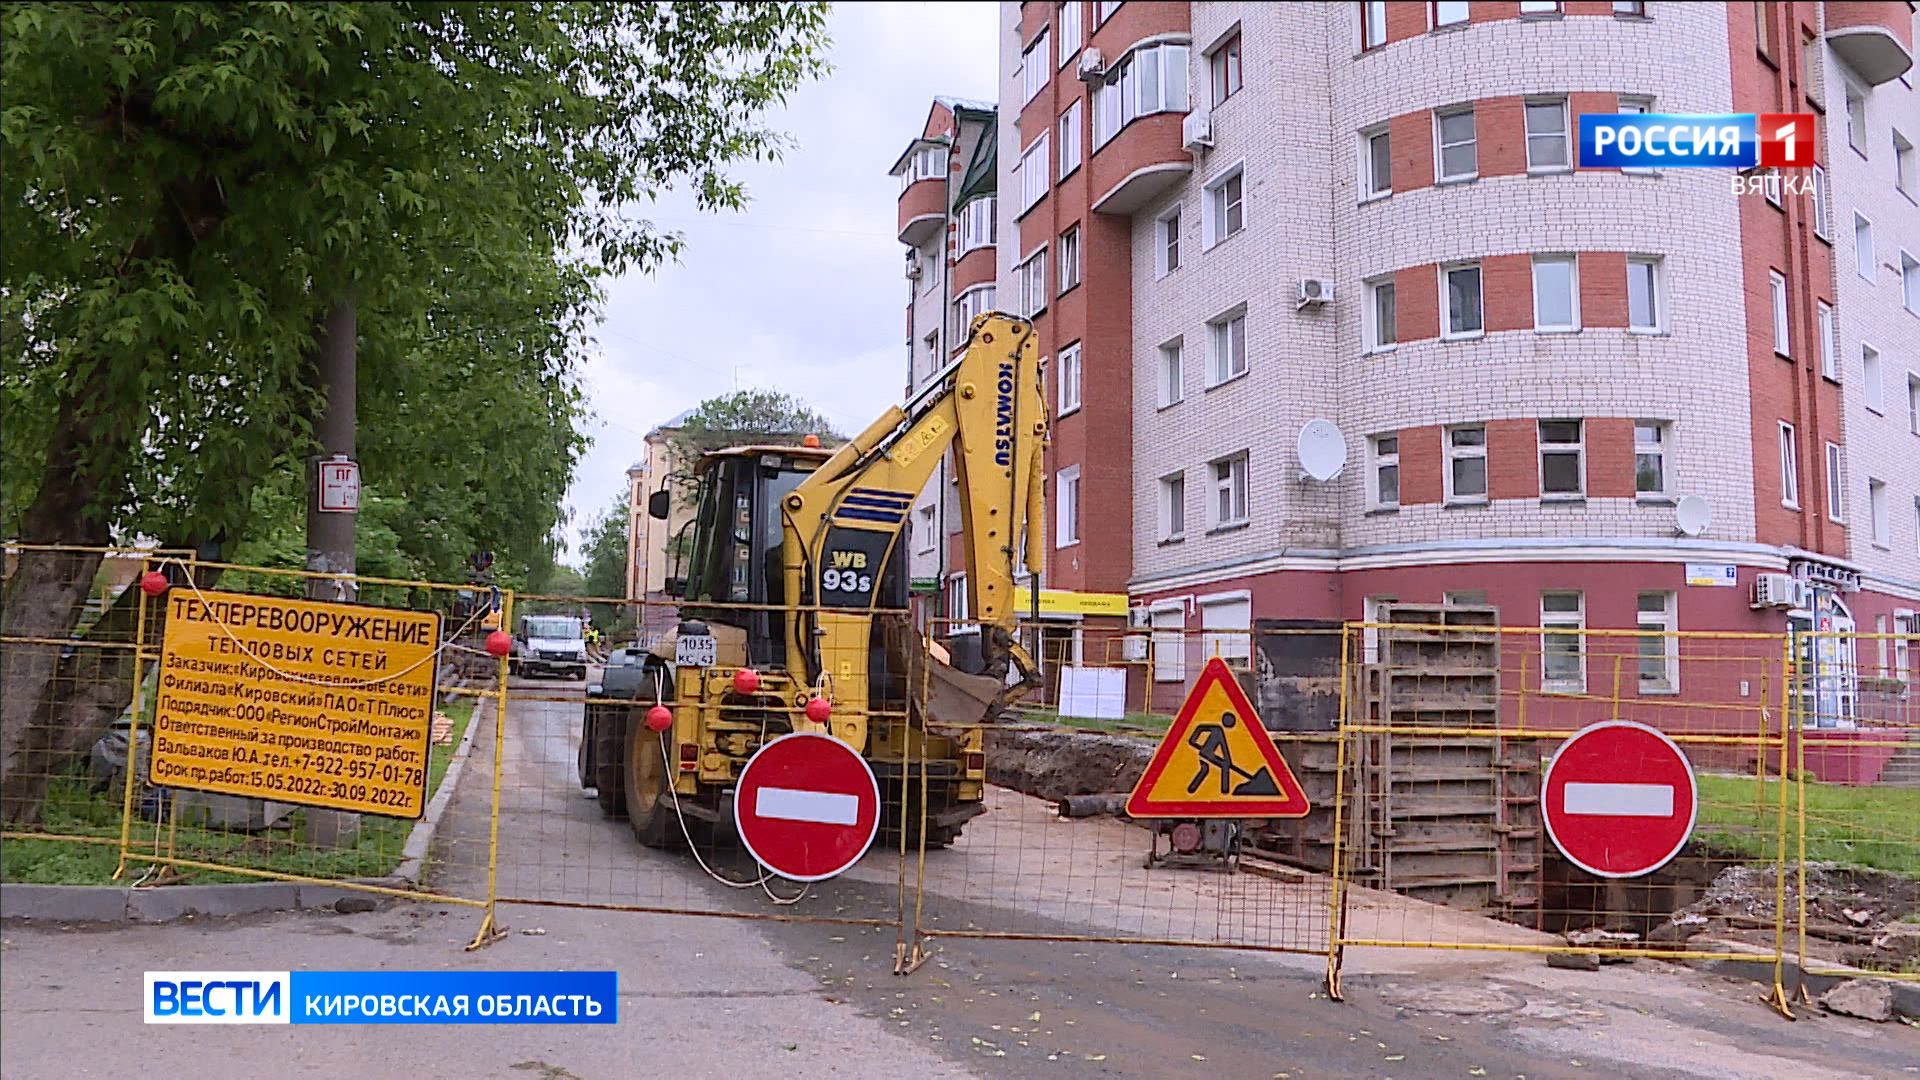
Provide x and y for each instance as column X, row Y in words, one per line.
column 981, row 176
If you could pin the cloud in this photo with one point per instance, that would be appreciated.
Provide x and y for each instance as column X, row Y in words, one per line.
column 803, row 291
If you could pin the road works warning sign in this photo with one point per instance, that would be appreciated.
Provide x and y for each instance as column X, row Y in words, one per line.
column 1217, row 760
column 296, row 701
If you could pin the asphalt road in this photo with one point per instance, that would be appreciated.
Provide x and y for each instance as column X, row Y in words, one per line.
column 718, row 996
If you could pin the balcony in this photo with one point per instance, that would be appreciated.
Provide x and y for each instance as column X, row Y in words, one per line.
column 1140, row 164
column 923, row 210
column 1874, row 37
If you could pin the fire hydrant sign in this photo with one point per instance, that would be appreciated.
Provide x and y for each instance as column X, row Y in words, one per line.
column 339, row 486
column 297, row 701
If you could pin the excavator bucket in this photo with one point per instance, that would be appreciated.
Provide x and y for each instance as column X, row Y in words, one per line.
column 939, row 693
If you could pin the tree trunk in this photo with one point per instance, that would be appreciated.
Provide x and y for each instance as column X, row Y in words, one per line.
column 43, row 602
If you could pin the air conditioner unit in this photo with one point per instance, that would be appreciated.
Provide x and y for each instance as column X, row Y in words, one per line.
column 1778, row 591
column 913, row 267
column 1802, row 595
column 1134, row 647
column 1092, row 65
column 1315, row 291
column 1138, row 617
column 1196, row 131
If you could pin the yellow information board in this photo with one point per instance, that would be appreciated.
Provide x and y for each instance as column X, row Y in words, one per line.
column 296, row 701
column 1066, row 602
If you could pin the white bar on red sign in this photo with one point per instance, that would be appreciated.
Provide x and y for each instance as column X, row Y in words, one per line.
column 819, row 807
column 1619, row 800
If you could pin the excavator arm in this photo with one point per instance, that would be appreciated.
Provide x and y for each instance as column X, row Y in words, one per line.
column 846, row 519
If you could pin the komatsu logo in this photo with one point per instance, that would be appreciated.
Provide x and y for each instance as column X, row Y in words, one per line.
column 1003, row 417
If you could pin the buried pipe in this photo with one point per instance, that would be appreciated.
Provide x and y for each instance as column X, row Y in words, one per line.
column 1083, row 806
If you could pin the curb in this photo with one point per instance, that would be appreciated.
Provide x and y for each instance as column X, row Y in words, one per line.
column 125, row 904
column 1906, row 993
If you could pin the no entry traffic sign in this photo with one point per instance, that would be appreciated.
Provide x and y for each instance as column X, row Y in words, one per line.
column 807, row 806
column 1619, row 799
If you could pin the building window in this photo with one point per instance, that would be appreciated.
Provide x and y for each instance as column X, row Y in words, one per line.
column 976, row 224
column 1636, row 107
column 1066, row 521
column 1829, row 362
column 1555, row 301
column 1458, row 157
column 1782, row 342
column 1649, row 458
column 1224, row 66
column 1460, row 301
column 1659, row 656
column 1636, row 9
column 1903, row 166
column 1227, row 341
column 1563, row 648
column 1373, row 25
column 1228, row 622
column 967, row 306
column 1035, row 67
column 1466, row 473
column 1146, row 81
column 1822, row 219
column 1872, row 390
column 1376, row 163
column 1068, row 381
column 1910, row 283
column 1446, row 13
column 1168, row 247
column 925, row 530
column 1225, row 206
column 1230, row 491
column 1877, row 511
column 1789, row 468
column 1863, row 247
column 1173, row 506
column 1383, row 474
column 1034, row 177
column 1069, row 26
column 1070, row 140
column 1547, row 136
column 1857, row 120
column 1539, row 7
column 1173, row 379
column 1836, row 483
column 1561, row 449
column 1763, row 27
column 1031, row 279
column 930, row 163
column 1913, row 403
column 1644, row 309
column 1069, row 259
column 1382, row 320
column 1106, row 10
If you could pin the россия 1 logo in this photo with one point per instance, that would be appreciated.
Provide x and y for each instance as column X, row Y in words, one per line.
column 1674, row 140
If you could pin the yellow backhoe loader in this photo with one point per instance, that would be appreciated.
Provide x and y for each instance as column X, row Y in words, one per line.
column 792, row 613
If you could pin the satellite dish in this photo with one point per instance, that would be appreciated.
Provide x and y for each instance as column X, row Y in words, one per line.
column 1692, row 515
column 1322, row 449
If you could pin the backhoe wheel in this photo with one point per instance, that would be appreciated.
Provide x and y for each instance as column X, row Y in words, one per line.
column 649, row 804
column 607, row 725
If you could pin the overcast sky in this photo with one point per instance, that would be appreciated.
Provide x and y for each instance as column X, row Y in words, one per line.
column 803, row 291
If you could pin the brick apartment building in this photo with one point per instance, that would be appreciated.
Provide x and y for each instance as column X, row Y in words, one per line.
column 1231, row 219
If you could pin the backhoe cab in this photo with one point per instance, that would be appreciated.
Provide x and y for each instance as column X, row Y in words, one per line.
column 793, row 605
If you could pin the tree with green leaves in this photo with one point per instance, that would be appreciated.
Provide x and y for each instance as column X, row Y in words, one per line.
column 746, row 416
column 605, row 542
column 190, row 187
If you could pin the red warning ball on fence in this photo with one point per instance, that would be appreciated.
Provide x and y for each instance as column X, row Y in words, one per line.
column 819, row 710
column 746, row 681
column 659, row 718
column 153, row 583
column 499, row 643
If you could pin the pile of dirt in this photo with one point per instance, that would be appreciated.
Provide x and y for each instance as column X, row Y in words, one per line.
column 1052, row 764
column 1854, row 916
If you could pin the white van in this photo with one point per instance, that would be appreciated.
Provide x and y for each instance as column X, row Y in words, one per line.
column 550, row 643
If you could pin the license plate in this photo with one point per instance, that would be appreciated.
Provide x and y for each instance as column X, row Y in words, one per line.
column 696, row 650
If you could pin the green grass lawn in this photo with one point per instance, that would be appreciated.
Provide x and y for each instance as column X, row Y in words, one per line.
column 71, row 811
column 1133, row 723
column 1875, row 827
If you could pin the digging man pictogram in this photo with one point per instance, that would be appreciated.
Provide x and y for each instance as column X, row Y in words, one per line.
column 1210, row 742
